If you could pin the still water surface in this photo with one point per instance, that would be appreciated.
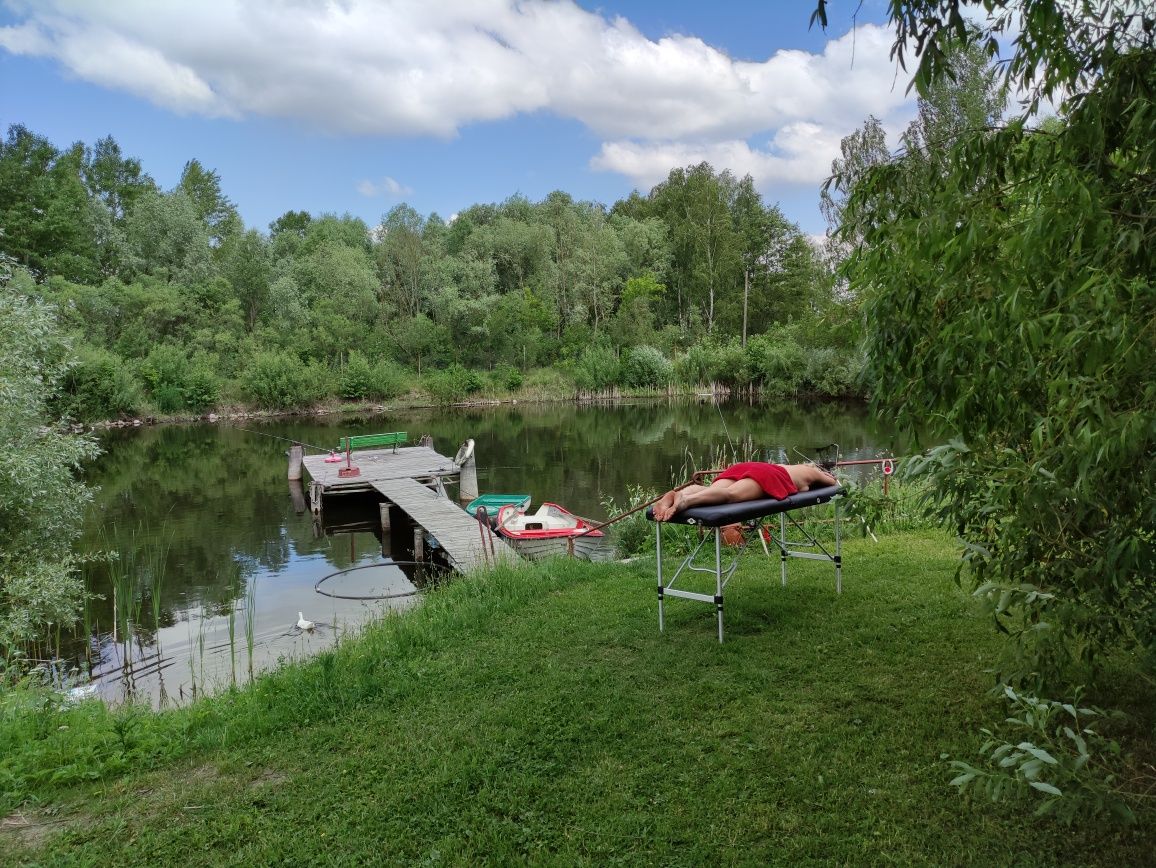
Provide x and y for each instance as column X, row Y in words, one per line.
column 215, row 562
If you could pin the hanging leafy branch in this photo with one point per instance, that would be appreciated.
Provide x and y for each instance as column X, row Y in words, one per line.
column 1010, row 304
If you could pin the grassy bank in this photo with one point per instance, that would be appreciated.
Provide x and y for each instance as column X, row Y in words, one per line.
column 538, row 715
column 542, row 385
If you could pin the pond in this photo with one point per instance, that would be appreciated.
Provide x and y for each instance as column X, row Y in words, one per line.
column 215, row 563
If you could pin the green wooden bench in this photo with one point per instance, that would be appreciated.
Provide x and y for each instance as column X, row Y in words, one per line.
column 373, row 441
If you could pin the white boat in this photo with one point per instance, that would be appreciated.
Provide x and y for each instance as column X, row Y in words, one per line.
column 552, row 530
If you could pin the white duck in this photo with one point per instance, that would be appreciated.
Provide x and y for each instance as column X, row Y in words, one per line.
column 302, row 623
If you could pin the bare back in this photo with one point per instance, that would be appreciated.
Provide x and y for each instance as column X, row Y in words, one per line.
column 808, row 476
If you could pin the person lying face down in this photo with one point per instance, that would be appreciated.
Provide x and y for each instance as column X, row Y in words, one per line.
column 748, row 480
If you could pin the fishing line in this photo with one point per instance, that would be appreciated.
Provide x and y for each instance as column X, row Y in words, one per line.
column 277, row 437
column 317, row 587
column 734, row 453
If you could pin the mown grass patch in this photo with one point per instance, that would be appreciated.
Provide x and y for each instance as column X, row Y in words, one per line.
column 538, row 715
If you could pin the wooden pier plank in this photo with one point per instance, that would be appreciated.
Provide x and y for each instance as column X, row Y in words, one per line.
column 396, row 474
column 413, row 462
column 455, row 529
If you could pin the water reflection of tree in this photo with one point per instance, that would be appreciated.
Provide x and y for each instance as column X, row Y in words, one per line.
column 205, row 495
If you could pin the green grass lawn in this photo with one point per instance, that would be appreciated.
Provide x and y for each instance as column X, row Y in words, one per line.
column 539, row 716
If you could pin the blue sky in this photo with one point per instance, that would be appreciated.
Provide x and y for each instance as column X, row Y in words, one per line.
column 357, row 105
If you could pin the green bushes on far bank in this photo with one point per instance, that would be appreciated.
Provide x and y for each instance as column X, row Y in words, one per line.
column 172, row 381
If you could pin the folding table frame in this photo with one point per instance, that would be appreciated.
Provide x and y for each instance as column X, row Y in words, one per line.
column 753, row 511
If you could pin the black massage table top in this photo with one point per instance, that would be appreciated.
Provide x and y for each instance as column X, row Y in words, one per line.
column 732, row 513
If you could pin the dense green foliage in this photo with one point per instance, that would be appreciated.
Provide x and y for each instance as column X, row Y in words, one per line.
column 177, row 307
column 40, row 501
column 539, row 716
column 1007, row 279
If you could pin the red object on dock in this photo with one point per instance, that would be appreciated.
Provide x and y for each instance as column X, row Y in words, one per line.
column 348, row 470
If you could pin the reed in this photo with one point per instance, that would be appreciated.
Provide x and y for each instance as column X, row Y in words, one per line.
column 250, row 621
column 88, row 623
column 200, row 646
column 158, row 561
column 235, row 587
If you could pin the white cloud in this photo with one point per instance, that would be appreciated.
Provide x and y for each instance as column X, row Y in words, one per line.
column 106, row 57
column 800, row 152
column 414, row 68
column 386, row 187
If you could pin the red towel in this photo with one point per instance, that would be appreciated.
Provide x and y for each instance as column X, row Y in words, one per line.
column 772, row 478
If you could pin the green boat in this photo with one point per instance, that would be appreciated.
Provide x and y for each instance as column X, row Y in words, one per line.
column 494, row 502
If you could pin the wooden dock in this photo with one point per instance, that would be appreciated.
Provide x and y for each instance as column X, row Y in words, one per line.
column 455, row 529
column 413, row 479
column 422, row 463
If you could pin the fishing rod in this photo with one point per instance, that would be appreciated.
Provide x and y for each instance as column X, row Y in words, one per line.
column 695, row 479
column 286, row 439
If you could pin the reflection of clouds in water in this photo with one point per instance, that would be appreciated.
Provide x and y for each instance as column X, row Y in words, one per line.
column 201, row 653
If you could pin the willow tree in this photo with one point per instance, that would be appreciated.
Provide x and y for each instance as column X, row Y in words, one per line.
column 41, row 501
column 1010, row 304
column 1007, row 278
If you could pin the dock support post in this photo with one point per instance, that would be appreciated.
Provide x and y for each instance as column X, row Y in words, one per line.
column 296, row 454
column 383, row 510
column 297, row 495
column 418, row 543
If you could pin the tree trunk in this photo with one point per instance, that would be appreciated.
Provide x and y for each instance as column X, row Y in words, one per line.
column 746, row 296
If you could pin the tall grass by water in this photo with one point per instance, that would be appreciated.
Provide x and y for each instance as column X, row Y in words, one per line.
column 538, row 715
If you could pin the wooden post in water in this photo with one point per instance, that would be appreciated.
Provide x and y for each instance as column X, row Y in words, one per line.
column 297, row 494
column 400, row 537
column 468, row 474
column 418, row 543
column 383, row 511
column 296, row 454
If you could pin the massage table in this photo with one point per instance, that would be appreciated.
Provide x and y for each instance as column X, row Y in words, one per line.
column 747, row 512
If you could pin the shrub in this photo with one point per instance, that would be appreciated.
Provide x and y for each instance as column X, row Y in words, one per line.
column 508, row 377
column 830, row 372
column 41, row 502
column 175, row 383
column 389, row 380
column 357, row 378
column 645, row 367
column 547, row 383
column 202, row 387
column 633, row 535
column 596, row 369
column 1055, row 751
column 278, row 380
column 778, row 362
column 696, row 366
column 453, row 384
column 101, row 386
column 710, row 362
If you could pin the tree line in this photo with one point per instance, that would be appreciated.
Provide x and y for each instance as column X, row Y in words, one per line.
column 176, row 306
